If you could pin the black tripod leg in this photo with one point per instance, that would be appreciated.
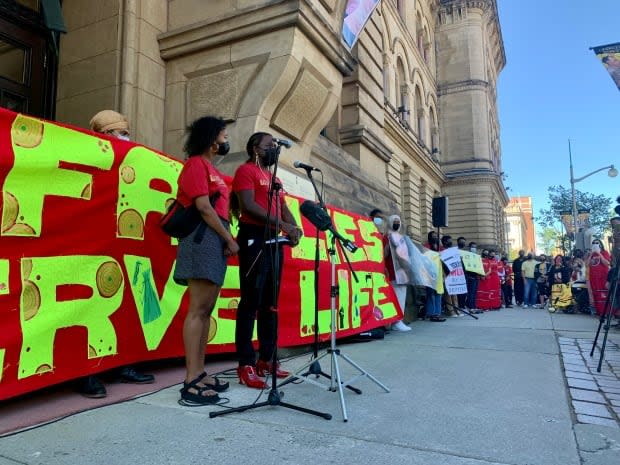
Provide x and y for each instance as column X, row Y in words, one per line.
column 598, row 331
column 274, row 399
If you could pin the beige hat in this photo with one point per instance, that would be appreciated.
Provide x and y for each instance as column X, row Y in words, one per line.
column 108, row 120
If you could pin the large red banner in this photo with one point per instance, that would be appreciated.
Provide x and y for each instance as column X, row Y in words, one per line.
column 86, row 273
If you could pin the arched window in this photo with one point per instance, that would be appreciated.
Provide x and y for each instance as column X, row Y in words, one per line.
column 420, row 115
column 432, row 120
column 401, row 89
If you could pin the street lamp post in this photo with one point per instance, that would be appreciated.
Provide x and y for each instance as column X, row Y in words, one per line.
column 612, row 173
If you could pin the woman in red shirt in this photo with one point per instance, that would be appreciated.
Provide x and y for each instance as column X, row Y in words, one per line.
column 252, row 185
column 201, row 256
column 598, row 264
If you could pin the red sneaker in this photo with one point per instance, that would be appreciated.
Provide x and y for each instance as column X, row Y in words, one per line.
column 247, row 375
column 264, row 368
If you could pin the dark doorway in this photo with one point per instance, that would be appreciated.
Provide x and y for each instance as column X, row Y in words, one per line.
column 28, row 64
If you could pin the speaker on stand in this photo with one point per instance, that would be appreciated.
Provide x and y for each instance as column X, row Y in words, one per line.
column 440, row 212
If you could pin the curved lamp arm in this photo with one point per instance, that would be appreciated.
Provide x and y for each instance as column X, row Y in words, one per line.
column 613, row 172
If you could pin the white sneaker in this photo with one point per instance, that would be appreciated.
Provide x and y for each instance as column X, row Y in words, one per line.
column 400, row 326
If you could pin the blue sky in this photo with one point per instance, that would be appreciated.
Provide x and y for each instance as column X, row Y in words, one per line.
column 554, row 88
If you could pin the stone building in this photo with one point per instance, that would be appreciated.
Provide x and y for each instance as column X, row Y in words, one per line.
column 407, row 115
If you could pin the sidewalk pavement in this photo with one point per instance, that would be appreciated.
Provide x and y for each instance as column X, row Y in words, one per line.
column 515, row 387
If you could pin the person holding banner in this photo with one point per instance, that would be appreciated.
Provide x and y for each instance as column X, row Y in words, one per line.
column 433, row 298
column 397, row 264
column 113, row 124
column 252, row 186
column 202, row 256
column 450, row 300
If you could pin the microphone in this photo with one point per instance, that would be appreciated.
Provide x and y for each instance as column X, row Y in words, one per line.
column 321, row 220
column 286, row 143
column 299, row 164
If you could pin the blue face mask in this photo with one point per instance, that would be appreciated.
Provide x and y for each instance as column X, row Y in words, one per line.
column 378, row 221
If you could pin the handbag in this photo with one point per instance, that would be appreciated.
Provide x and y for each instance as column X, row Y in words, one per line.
column 180, row 221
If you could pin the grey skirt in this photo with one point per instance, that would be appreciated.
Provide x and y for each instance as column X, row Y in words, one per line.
column 202, row 260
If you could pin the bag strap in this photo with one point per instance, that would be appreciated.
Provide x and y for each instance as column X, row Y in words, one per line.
column 200, row 232
column 202, row 227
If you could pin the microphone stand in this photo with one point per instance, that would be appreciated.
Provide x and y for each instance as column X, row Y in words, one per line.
column 314, row 368
column 274, row 397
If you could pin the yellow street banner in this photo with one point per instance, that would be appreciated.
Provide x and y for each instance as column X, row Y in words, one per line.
column 472, row 262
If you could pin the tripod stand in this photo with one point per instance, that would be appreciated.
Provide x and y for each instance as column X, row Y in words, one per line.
column 607, row 315
column 271, row 260
column 314, row 367
column 336, row 382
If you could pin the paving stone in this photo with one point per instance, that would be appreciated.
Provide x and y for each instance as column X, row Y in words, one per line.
column 582, row 384
column 579, row 375
column 590, row 396
column 609, row 390
column 576, row 367
column 588, row 408
column 614, row 402
column 597, row 421
column 612, row 383
column 612, row 396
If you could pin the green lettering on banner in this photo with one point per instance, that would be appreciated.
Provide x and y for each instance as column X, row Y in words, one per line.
column 136, row 196
column 39, row 147
column 306, row 248
column 307, row 304
column 360, row 296
column 155, row 314
column 342, row 224
column 373, row 246
column 2, row 351
column 379, row 284
column 344, row 300
column 4, row 277
column 42, row 315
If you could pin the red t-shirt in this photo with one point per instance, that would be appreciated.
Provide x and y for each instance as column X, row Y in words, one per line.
column 199, row 177
column 249, row 176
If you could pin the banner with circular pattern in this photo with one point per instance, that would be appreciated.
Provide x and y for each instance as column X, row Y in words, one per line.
column 86, row 274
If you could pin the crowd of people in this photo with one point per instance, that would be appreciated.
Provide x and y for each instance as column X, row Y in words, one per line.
column 571, row 283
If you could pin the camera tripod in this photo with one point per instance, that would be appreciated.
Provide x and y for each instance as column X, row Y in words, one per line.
column 336, row 382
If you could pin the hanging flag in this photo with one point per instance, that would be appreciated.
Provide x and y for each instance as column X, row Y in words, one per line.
column 356, row 15
column 610, row 57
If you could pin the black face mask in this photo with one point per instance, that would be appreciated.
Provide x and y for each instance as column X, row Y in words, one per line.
column 270, row 156
column 461, row 245
column 396, row 226
column 448, row 244
column 223, row 149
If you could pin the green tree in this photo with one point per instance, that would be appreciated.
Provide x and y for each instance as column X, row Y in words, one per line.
column 549, row 240
column 560, row 199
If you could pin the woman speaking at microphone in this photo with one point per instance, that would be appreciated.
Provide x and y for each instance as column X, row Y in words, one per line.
column 251, row 186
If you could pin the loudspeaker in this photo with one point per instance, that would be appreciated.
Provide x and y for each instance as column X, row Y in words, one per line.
column 440, row 212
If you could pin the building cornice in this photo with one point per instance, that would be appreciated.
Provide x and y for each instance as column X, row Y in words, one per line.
column 255, row 21
column 463, row 86
column 360, row 134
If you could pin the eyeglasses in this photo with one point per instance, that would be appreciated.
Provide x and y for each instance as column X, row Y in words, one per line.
column 596, row 243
